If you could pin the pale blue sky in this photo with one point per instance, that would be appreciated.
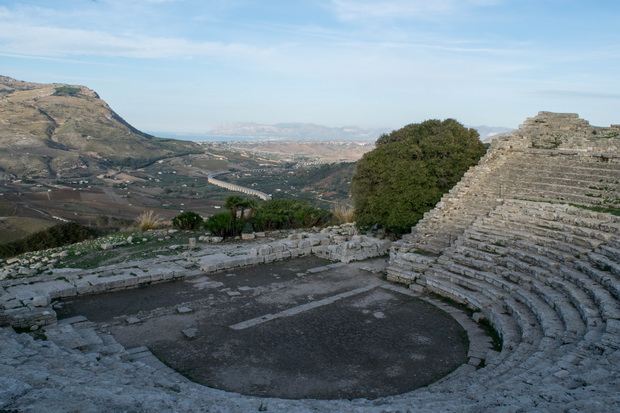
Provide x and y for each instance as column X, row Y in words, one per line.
column 188, row 65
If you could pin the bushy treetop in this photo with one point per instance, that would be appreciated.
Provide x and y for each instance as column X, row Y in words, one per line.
column 409, row 170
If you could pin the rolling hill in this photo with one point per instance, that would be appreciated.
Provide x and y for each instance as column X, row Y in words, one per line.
column 62, row 131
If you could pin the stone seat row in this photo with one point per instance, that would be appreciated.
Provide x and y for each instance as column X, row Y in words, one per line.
column 569, row 306
column 553, row 167
column 548, row 171
column 554, row 193
column 531, row 328
column 573, row 230
column 549, row 259
column 510, row 271
column 452, row 224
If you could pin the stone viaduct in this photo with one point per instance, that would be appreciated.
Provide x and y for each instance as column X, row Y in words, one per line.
column 212, row 179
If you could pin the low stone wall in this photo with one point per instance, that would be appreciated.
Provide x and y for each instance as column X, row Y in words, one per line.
column 26, row 302
column 333, row 247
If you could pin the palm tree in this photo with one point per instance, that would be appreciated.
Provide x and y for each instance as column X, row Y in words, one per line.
column 250, row 204
column 233, row 203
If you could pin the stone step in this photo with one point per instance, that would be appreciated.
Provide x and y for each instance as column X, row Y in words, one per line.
column 605, row 263
column 505, row 244
column 549, row 286
column 65, row 336
column 608, row 306
column 566, row 322
column 530, row 328
column 542, row 233
column 609, row 250
column 579, row 217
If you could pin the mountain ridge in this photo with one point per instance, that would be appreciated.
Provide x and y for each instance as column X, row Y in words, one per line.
column 295, row 130
column 298, row 131
column 57, row 130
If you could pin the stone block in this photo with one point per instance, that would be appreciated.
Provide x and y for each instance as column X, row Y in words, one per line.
column 305, row 244
column 264, row 250
column 42, row 300
column 117, row 282
column 190, row 333
column 278, row 247
column 270, row 258
column 284, row 254
column 144, row 277
column 294, row 252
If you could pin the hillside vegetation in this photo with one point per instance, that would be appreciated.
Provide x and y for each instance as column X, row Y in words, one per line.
column 409, row 171
column 54, row 130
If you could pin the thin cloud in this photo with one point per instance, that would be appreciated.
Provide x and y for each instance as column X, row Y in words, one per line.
column 55, row 42
column 576, row 94
column 348, row 10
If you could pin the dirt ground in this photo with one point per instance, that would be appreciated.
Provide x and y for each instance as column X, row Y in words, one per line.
column 293, row 329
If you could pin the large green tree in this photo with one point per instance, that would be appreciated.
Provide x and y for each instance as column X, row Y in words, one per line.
column 409, row 170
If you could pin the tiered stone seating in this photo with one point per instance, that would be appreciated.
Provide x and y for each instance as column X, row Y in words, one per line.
column 560, row 177
column 522, row 174
column 545, row 274
column 554, row 311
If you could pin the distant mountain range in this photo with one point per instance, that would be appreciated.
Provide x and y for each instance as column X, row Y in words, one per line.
column 304, row 132
column 283, row 131
column 488, row 133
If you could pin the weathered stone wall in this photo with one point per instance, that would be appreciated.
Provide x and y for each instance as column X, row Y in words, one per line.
column 550, row 130
column 26, row 302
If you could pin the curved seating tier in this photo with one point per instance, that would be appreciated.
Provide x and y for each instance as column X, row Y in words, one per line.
column 546, row 276
column 509, row 241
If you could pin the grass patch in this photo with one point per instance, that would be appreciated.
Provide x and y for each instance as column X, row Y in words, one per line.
column 343, row 214
column 463, row 307
column 89, row 255
column 425, row 253
column 66, row 91
column 606, row 210
column 496, row 339
column 149, row 220
column 14, row 228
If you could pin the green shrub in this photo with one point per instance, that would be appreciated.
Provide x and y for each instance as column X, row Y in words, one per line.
column 187, row 220
column 66, row 91
column 224, row 225
column 56, row 236
column 287, row 213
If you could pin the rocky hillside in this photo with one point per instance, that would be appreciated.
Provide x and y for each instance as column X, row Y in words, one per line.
column 60, row 131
